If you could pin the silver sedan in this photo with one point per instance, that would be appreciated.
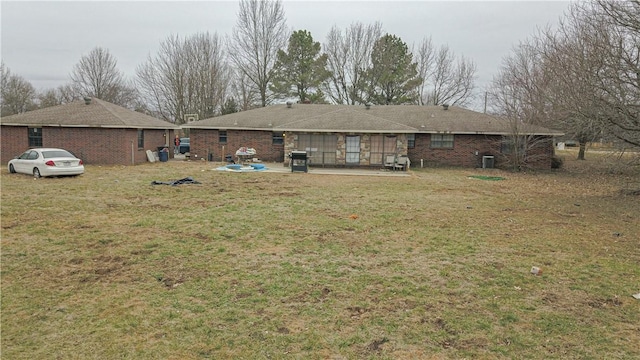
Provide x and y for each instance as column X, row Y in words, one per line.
column 47, row 162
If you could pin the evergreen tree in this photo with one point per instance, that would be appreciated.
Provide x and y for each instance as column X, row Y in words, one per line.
column 301, row 69
column 229, row 107
column 393, row 77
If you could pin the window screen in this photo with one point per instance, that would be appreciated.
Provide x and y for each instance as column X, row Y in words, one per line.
column 353, row 150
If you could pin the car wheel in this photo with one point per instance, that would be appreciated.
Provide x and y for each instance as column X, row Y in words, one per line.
column 36, row 173
column 12, row 169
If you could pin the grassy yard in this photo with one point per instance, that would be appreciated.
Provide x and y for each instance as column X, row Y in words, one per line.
column 308, row 266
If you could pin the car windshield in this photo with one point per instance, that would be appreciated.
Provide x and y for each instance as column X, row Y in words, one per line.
column 184, row 140
column 56, row 154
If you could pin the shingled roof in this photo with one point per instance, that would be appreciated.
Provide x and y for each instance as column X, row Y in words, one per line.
column 97, row 113
column 362, row 119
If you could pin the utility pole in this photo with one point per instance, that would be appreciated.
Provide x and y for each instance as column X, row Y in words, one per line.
column 485, row 102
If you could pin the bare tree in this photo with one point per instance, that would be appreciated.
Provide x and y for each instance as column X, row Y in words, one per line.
column 519, row 89
column 17, row 95
column 97, row 75
column 583, row 78
column 348, row 58
column 187, row 76
column 618, row 30
column 452, row 80
column 208, row 74
column 519, row 96
column 425, row 57
column 259, row 33
column 243, row 91
column 63, row 94
column 48, row 98
column 575, row 58
column 625, row 14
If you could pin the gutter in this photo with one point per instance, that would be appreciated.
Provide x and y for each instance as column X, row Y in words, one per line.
column 93, row 126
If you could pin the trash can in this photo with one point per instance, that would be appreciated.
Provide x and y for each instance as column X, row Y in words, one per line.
column 163, row 153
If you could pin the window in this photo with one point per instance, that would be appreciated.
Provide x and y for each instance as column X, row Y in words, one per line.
column 381, row 147
column 222, row 137
column 411, row 141
column 33, row 155
column 511, row 143
column 277, row 138
column 35, row 137
column 140, row 139
column 442, row 141
column 321, row 148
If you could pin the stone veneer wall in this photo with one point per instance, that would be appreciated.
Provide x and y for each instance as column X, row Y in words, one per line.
column 291, row 144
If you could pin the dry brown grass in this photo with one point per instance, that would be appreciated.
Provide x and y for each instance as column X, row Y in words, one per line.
column 293, row 265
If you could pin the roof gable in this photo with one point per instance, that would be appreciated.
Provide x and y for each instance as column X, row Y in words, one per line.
column 97, row 113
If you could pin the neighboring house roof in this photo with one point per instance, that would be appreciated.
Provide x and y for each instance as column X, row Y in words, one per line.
column 360, row 119
column 97, row 113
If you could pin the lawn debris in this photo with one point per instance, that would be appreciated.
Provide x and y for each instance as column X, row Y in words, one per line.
column 636, row 296
column 353, row 216
column 187, row 180
column 536, row 270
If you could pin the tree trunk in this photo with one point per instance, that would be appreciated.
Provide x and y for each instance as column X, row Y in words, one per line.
column 583, row 147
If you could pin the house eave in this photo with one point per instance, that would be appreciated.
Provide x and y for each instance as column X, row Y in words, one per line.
column 91, row 126
column 362, row 131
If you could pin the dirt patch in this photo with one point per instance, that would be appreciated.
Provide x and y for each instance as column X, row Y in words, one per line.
column 603, row 303
column 170, row 283
column 356, row 311
column 376, row 345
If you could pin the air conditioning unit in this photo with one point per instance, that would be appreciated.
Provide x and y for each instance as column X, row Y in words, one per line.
column 487, row 162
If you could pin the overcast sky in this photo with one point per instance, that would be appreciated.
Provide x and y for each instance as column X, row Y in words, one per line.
column 42, row 41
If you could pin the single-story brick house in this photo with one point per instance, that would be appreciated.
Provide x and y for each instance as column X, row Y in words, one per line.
column 363, row 136
column 96, row 131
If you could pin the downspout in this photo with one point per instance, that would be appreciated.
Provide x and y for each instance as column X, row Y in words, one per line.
column 133, row 158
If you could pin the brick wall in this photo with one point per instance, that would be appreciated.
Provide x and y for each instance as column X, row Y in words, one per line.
column 462, row 154
column 93, row 145
column 14, row 142
column 465, row 148
column 205, row 141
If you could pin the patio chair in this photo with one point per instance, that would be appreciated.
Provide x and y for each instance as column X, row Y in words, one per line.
column 390, row 162
column 403, row 163
column 396, row 162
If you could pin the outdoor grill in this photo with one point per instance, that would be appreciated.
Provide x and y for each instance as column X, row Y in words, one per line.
column 299, row 161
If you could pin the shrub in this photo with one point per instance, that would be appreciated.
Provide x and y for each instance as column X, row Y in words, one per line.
column 556, row 162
